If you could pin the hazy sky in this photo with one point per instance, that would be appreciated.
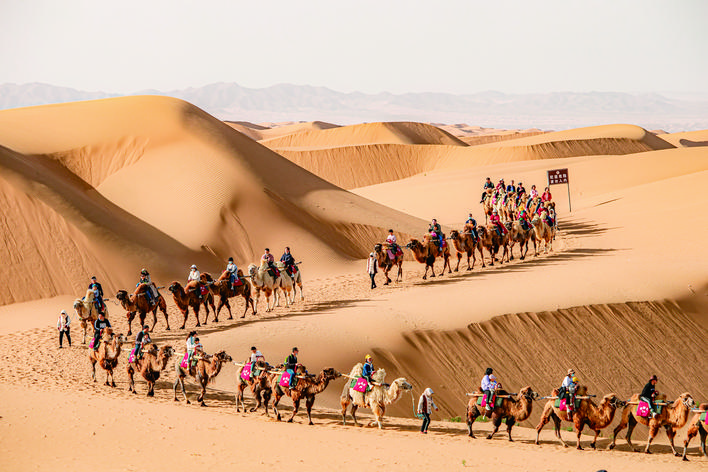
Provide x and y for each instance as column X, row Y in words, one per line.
column 369, row 46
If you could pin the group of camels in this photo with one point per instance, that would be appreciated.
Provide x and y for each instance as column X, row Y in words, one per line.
column 198, row 293
column 513, row 408
column 466, row 242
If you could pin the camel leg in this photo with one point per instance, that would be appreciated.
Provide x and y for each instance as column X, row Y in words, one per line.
column 93, row 370
column 459, row 258
column 511, row 250
column 399, row 276
column 496, row 422
column 245, row 309
column 557, row 428
column 154, row 318
column 344, row 404
column 703, row 434
column 84, row 326
column 296, row 407
column 275, row 405
column 163, row 308
column 308, row 404
column 131, row 382
column 690, row 434
column 131, row 317
column 631, row 424
column 180, row 380
column 354, row 408
column 239, row 398
column 151, row 389
column 672, row 434
column 266, row 398
column 579, row 428
column 196, row 314
column 653, row 431
column 471, row 418
column 510, row 420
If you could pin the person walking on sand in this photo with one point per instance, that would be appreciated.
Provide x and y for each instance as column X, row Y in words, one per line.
column 425, row 408
column 371, row 269
column 63, row 327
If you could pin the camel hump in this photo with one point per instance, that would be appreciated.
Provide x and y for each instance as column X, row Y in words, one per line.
column 225, row 275
column 206, row 276
column 192, row 284
column 141, row 288
column 357, row 370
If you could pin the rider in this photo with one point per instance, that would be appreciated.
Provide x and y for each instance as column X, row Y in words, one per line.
column 435, row 228
column 232, row 270
column 487, row 185
column 291, row 367
column 392, row 242
column 649, row 394
column 268, row 257
column 255, row 357
column 98, row 326
column 98, row 294
column 472, row 224
column 193, row 276
column 524, row 220
column 546, row 196
column 520, row 192
column 486, row 386
column 145, row 279
column 495, row 220
column 191, row 345
column 533, row 194
column 511, row 188
column 567, row 391
column 500, row 188
column 289, row 261
column 141, row 340
column 368, row 369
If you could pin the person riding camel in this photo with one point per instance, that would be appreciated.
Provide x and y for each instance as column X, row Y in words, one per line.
column 546, row 197
column 487, row 388
column 98, row 326
column 151, row 294
column 471, row 223
column 291, row 366
column 436, row 231
column 141, row 340
column 487, row 185
column 368, row 369
column 233, row 272
column 392, row 244
column 500, row 188
column 520, row 192
column 524, row 220
column 495, row 220
column 289, row 261
column 270, row 260
column 193, row 276
column 191, row 345
column 533, row 194
column 97, row 295
column 511, row 188
column 649, row 394
column 567, row 391
column 255, row 357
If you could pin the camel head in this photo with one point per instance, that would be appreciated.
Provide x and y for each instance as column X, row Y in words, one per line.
column 454, row 234
column 613, row 400
column 252, row 270
column 403, row 384
column 122, row 295
column 221, row 356
column 414, row 244
column 529, row 394
column 377, row 248
column 167, row 351
column 687, row 400
column 175, row 286
column 330, row 373
column 122, row 338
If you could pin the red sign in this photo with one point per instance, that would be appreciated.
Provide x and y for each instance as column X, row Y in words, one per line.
column 558, row 176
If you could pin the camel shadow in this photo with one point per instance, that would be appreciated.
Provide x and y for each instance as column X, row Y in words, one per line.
column 579, row 228
column 689, row 143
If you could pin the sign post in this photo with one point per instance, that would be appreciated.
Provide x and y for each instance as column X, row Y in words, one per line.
column 560, row 176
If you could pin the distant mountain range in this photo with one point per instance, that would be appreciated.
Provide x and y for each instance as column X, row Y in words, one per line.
column 286, row 102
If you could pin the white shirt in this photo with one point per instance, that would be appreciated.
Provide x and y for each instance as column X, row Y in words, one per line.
column 487, row 384
column 190, row 345
column 193, row 275
column 63, row 324
column 255, row 356
column 391, row 239
column 429, row 403
column 371, row 265
column 567, row 381
column 231, row 267
column 534, row 193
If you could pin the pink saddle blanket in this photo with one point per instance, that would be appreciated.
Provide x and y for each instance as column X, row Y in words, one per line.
column 131, row 356
column 391, row 255
column 562, row 405
column 284, row 379
column 184, row 364
column 361, row 385
column 643, row 409
column 91, row 343
column 246, row 372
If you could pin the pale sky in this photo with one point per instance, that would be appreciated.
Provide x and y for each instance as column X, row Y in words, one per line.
column 456, row 46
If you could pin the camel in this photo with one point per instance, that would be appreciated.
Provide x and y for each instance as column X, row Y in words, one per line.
column 107, row 355
column 204, row 372
column 425, row 252
column 188, row 296
column 297, row 280
column 487, row 203
column 509, row 211
column 150, row 365
column 672, row 417
column 138, row 303
column 222, row 288
column 264, row 282
column 305, row 387
column 376, row 399
column 386, row 263
column 286, row 285
column 697, row 426
column 517, row 234
column 510, row 411
column 596, row 417
column 490, row 239
column 261, row 387
column 543, row 231
column 465, row 243
column 85, row 309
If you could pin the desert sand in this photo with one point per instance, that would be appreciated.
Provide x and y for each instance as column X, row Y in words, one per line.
column 110, row 186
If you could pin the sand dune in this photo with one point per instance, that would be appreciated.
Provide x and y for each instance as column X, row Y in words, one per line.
column 368, row 133
column 189, row 186
column 275, row 130
column 687, row 139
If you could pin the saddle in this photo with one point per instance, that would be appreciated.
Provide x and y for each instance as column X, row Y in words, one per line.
column 360, row 385
column 482, row 401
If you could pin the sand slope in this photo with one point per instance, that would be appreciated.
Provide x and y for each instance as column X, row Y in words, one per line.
column 687, row 139
column 367, row 133
column 182, row 185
